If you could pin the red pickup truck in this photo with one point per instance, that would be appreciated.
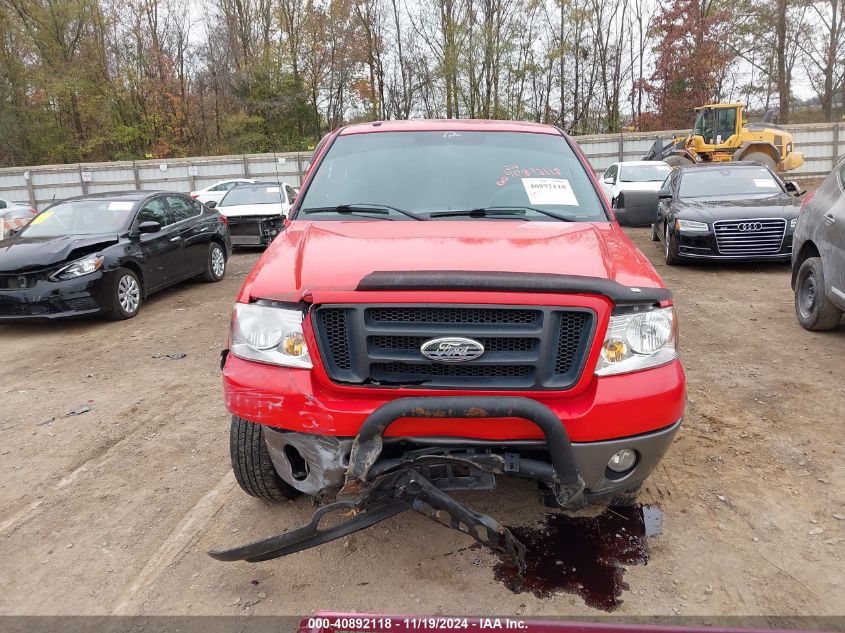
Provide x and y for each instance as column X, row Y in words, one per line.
column 450, row 301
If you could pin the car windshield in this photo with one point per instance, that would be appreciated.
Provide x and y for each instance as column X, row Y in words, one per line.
column 745, row 182
column 264, row 194
column 81, row 217
column 644, row 173
column 451, row 175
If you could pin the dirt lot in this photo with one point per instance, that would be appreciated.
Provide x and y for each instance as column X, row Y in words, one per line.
column 112, row 510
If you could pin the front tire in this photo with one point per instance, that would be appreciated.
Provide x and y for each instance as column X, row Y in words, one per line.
column 814, row 310
column 669, row 250
column 761, row 157
column 124, row 295
column 215, row 265
column 252, row 465
column 654, row 236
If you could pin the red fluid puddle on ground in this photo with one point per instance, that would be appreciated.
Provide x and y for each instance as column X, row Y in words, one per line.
column 582, row 555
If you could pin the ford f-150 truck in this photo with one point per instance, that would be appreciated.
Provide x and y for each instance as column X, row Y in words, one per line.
column 450, row 301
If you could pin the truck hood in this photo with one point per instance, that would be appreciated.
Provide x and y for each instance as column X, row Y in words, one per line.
column 18, row 254
column 336, row 255
column 252, row 210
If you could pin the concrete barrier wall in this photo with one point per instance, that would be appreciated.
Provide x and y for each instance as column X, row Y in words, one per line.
column 39, row 186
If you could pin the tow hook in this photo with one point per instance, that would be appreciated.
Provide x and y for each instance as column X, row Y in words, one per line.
column 376, row 490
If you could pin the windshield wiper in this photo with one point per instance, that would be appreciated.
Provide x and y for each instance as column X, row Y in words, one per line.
column 487, row 212
column 363, row 207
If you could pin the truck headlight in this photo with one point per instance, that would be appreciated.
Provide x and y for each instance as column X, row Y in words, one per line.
column 269, row 334
column 691, row 225
column 638, row 339
column 84, row 266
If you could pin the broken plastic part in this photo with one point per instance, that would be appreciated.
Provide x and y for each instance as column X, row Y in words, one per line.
column 325, row 458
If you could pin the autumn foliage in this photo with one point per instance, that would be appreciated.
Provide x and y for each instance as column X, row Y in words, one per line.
column 691, row 57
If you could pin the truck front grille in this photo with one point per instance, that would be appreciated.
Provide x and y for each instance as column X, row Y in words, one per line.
column 749, row 238
column 524, row 348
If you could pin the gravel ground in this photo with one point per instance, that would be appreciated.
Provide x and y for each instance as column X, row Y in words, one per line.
column 111, row 511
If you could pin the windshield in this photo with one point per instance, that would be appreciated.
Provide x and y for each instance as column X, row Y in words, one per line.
column 742, row 182
column 81, row 217
column 703, row 123
column 512, row 175
column 265, row 194
column 644, row 173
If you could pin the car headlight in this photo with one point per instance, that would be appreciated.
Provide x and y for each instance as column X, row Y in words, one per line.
column 84, row 266
column 638, row 340
column 269, row 334
column 690, row 225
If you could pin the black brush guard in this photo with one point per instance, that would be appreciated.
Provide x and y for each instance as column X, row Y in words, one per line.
column 376, row 490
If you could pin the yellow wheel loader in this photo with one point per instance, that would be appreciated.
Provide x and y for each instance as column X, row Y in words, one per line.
column 720, row 135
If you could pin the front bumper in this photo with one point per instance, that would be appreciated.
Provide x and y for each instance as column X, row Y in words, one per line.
column 48, row 300
column 701, row 245
column 254, row 230
column 327, row 457
column 375, row 488
column 608, row 407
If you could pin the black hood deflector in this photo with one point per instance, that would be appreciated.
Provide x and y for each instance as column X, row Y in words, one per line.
column 512, row 282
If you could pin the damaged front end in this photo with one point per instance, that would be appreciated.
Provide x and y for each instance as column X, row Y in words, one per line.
column 375, row 487
column 250, row 230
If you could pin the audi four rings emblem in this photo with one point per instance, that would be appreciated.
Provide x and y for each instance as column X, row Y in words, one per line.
column 747, row 227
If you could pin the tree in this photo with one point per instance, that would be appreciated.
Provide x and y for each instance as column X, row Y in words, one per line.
column 691, row 56
column 824, row 50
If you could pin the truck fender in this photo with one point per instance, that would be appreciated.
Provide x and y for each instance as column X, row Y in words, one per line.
column 749, row 145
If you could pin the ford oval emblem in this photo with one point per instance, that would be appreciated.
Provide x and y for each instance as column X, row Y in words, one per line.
column 452, row 349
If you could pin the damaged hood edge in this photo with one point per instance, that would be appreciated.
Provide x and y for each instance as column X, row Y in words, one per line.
column 22, row 254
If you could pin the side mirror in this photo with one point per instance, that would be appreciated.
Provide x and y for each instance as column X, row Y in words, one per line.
column 636, row 208
column 793, row 188
column 664, row 194
column 149, row 227
column 608, row 180
column 212, row 204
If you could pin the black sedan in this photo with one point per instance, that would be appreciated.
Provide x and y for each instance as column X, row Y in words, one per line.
column 106, row 253
column 726, row 211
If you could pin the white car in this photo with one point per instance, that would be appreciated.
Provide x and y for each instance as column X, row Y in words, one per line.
column 14, row 215
column 633, row 175
column 255, row 212
column 215, row 192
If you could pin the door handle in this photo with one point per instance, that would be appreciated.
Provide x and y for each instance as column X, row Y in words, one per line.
column 828, row 218
column 175, row 239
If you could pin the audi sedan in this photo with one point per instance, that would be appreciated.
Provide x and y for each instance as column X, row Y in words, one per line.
column 106, row 253
column 726, row 211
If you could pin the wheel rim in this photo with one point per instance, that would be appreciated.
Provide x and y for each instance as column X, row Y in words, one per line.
column 218, row 262
column 128, row 294
column 666, row 243
column 807, row 296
